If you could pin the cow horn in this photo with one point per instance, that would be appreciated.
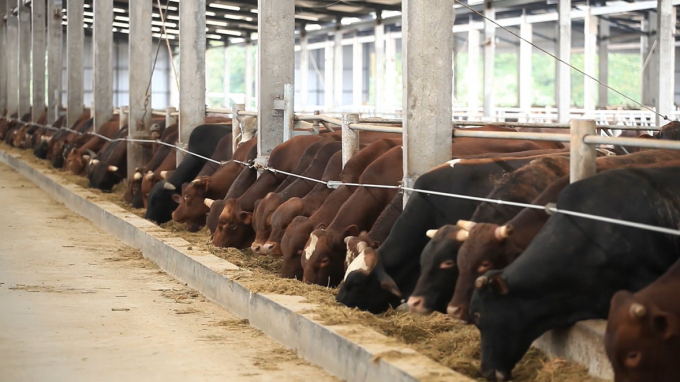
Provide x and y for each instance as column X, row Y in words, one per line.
column 208, row 202
column 92, row 153
column 430, row 233
column 637, row 310
column 195, row 181
column 169, row 186
column 149, row 176
column 462, row 235
column 481, row 282
column 503, row 232
column 348, row 238
column 164, row 174
column 94, row 161
column 361, row 246
column 87, row 157
column 465, row 224
column 137, row 176
column 113, row 168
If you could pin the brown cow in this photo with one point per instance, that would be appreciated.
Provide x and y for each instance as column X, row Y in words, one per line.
column 150, row 179
column 78, row 158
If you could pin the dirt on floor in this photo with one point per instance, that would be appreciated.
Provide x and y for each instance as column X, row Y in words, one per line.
column 437, row 336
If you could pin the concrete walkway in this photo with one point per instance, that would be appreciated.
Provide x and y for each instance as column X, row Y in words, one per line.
column 77, row 305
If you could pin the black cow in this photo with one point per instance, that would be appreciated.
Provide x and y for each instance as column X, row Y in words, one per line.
column 203, row 141
column 109, row 166
column 573, row 267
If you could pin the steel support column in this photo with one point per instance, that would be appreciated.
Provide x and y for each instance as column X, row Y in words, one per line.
column 473, row 80
column 525, row 80
column 666, row 61
column 276, row 68
column 38, row 57
column 191, row 67
column 338, row 68
column 427, row 68
column 489, row 58
column 589, row 60
column 103, row 62
column 563, row 51
column 75, row 56
column 603, row 64
column 25, row 58
column 3, row 59
column 379, row 64
column 54, row 59
column 139, row 117
column 304, row 70
column 357, row 72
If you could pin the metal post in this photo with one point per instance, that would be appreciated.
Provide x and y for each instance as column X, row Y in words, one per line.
column 563, row 77
column 304, row 69
column 524, row 66
column 489, row 53
column 24, row 59
column 191, row 69
column 650, row 59
column 103, row 62
column 38, row 56
column 357, row 72
column 328, row 74
column 589, row 60
column 473, row 80
column 54, row 59
column 390, row 72
column 379, row 63
column 350, row 138
column 603, row 64
column 288, row 111
column 226, row 81
column 582, row 158
column 338, row 67
column 169, row 118
column 12, row 58
column 139, row 117
column 250, row 69
column 75, row 36
column 3, row 59
column 427, row 68
column 666, row 59
column 236, row 128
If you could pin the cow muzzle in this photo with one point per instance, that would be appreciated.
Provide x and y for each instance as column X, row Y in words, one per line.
column 495, row 375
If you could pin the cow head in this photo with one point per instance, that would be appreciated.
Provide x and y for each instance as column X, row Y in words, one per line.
column 191, row 209
column 438, row 270
column 248, row 128
column 281, row 219
column 293, row 245
column 262, row 220
column 19, row 136
column 323, row 257
column 77, row 161
column 213, row 217
column 486, row 248
column 642, row 340
column 354, row 246
column 161, row 202
column 670, row 131
column 234, row 227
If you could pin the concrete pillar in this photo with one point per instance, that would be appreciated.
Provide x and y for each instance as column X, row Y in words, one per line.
column 357, row 72
column 328, row 74
column 489, row 55
column 75, row 56
column 141, row 54
column 379, row 64
column 338, row 68
column 666, row 62
column 473, row 80
column 582, row 157
column 525, row 79
column 226, row 82
column 350, row 138
column 603, row 64
column 563, row 51
column 3, row 59
column 390, row 72
column 54, row 59
column 650, row 59
column 589, row 59
column 24, row 58
column 38, row 57
column 103, row 62
column 428, row 53
column 276, row 68
column 12, row 27
column 191, row 67
column 250, row 69
column 304, row 70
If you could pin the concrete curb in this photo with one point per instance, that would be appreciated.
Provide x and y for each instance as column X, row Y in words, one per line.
column 350, row 352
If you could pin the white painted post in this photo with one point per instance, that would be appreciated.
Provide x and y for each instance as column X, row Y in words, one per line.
column 139, row 117
column 390, row 72
column 328, row 74
column 589, row 60
column 357, row 72
column 350, row 138
column 192, row 69
column 473, row 80
column 75, row 57
column 379, row 64
column 250, row 69
column 54, row 59
column 38, row 56
column 276, row 67
column 12, row 26
column 236, row 128
column 288, row 111
column 338, row 67
column 103, row 62
column 304, row 69
column 603, row 64
column 582, row 158
column 563, row 78
column 427, row 68
column 169, row 118
column 525, row 80
column 24, row 59
column 666, row 59
column 489, row 53
column 226, row 81
column 3, row 59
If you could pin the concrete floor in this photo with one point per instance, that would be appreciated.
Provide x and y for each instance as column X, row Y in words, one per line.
column 78, row 305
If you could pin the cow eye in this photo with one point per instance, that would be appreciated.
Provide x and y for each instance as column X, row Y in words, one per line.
column 633, row 359
column 325, row 262
column 233, row 228
column 477, row 316
column 186, row 197
column 447, row 264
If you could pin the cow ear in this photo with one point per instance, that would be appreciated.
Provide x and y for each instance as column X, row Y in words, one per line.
column 257, row 203
column 498, row 283
column 176, row 198
column 352, row 230
column 246, row 217
column 321, row 226
column 665, row 325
